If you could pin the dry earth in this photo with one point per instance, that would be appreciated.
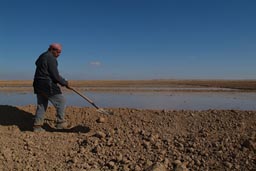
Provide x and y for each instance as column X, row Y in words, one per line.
column 129, row 140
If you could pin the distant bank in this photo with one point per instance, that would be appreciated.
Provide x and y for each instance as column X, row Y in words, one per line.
column 241, row 85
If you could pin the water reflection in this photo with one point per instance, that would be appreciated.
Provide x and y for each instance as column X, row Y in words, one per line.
column 149, row 100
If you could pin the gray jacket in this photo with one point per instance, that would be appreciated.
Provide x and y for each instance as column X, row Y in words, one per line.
column 47, row 75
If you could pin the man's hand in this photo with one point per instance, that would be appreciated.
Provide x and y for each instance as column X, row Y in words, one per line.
column 67, row 86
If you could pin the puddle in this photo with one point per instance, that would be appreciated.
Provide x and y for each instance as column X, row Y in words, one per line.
column 149, row 100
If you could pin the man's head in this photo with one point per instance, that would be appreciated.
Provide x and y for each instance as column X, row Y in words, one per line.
column 55, row 48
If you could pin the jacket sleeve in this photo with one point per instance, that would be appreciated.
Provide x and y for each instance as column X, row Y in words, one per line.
column 54, row 73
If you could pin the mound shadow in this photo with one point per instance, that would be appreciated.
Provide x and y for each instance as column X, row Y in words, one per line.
column 10, row 115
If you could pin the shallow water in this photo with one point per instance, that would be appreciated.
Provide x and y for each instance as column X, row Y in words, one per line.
column 149, row 100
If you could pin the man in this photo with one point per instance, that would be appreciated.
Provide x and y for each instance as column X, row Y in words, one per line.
column 46, row 80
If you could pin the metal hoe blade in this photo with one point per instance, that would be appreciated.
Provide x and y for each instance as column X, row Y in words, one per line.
column 100, row 110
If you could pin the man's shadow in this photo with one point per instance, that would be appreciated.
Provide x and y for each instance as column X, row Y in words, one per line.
column 78, row 128
column 10, row 115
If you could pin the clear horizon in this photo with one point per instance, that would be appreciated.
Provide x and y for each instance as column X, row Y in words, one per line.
column 131, row 40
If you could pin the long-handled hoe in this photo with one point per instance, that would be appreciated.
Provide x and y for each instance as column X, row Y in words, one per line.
column 100, row 110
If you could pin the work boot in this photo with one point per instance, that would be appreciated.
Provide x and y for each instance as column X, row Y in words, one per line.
column 62, row 125
column 38, row 128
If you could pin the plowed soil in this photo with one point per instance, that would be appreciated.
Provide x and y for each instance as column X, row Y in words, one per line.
column 130, row 139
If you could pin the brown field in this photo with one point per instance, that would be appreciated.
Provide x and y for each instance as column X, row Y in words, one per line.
column 129, row 140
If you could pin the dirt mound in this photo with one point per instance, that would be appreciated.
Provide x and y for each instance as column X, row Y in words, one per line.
column 131, row 139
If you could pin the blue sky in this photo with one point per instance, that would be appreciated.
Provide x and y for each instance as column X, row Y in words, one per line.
column 131, row 39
